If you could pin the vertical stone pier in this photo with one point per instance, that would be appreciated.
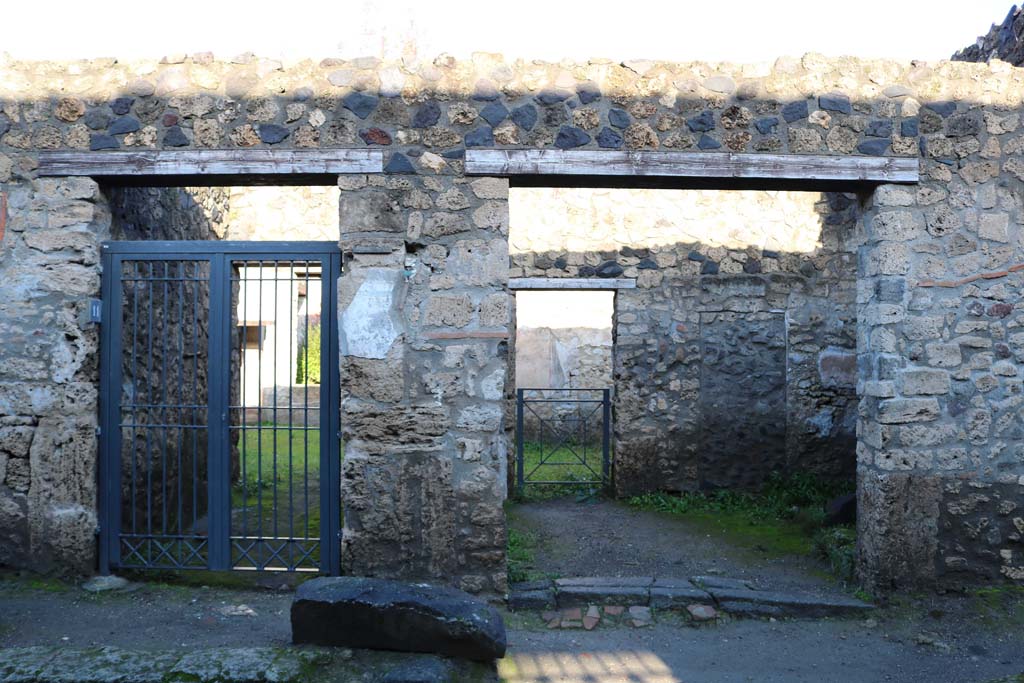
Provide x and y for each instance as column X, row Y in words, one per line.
column 424, row 313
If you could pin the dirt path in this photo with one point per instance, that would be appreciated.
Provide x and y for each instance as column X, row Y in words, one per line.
column 608, row 538
column 942, row 639
column 151, row 616
column 781, row 652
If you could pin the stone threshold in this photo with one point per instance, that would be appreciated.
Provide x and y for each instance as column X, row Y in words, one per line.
column 736, row 597
column 232, row 665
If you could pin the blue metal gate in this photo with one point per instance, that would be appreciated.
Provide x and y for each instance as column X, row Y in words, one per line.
column 563, row 438
column 219, row 438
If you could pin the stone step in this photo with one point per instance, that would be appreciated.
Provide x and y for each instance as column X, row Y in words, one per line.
column 776, row 604
column 738, row 597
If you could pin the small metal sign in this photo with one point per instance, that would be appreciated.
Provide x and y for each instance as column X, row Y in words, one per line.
column 95, row 311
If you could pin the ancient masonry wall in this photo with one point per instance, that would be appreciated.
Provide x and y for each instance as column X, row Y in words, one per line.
column 49, row 371
column 560, row 357
column 939, row 455
column 1003, row 41
column 155, row 370
column 748, row 289
column 424, row 330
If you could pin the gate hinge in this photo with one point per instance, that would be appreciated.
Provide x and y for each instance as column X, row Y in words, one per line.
column 95, row 311
column 99, row 431
column 97, row 530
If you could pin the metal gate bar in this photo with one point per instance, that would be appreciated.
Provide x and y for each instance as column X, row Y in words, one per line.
column 568, row 417
column 170, row 425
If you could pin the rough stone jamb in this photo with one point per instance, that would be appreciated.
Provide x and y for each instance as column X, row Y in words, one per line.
column 425, row 312
column 897, row 495
column 49, row 269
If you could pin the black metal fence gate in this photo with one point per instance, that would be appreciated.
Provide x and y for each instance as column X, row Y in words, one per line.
column 563, row 437
column 219, row 439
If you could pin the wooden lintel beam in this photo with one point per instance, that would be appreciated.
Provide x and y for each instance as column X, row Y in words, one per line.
column 812, row 167
column 210, row 162
column 571, row 283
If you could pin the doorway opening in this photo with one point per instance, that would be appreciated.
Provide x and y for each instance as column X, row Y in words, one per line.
column 733, row 375
column 220, row 381
column 563, row 370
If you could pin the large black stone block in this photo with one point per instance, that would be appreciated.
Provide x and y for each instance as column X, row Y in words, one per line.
column 391, row 615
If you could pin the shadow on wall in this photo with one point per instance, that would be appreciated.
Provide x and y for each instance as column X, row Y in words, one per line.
column 735, row 356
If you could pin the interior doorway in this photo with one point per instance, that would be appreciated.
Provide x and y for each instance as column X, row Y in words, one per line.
column 563, row 357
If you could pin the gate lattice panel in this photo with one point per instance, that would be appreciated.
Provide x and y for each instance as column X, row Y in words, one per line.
column 563, row 437
column 219, row 406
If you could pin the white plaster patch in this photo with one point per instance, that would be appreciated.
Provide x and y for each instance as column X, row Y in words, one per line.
column 493, row 385
column 370, row 325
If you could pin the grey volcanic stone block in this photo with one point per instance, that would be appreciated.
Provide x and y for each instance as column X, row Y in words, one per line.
column 579, row 596
column 710, row 582
column 669, row 597
column 771, row 603
column 426, row 671
column 531, row 599
column 390, row 615
column 596, row 581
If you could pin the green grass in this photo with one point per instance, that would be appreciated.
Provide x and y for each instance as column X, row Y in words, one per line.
column 267, row 467
column 1000, row 605
column 11, row 580
column 785, row 518
column 521, row 555
column 258, row 455
column 183, row 581
column 522, row 550
column 781, row 498
column 538, row 466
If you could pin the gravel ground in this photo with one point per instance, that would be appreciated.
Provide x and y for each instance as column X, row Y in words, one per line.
column 934, row 639
column 784, row 651
column 149, row 616
column 609, row 538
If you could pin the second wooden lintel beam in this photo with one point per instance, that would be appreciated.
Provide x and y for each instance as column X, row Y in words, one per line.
column 812, row 167
column 517, row 283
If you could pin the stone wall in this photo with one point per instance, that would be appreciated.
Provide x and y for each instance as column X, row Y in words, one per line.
column 748, row 289
column 925, row 449
column 285, row 213
column 564, row 358
column 939, row 449
column 248, row 213
column 49, row 373
column 168, row 213
column 1003, row 41
column 425, row 314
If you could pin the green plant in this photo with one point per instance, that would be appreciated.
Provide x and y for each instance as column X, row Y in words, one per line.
column 308, row 362
column 786, row 517
column 838, row 546
column 801, row 497
column 279, row 477
column 521, row 547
